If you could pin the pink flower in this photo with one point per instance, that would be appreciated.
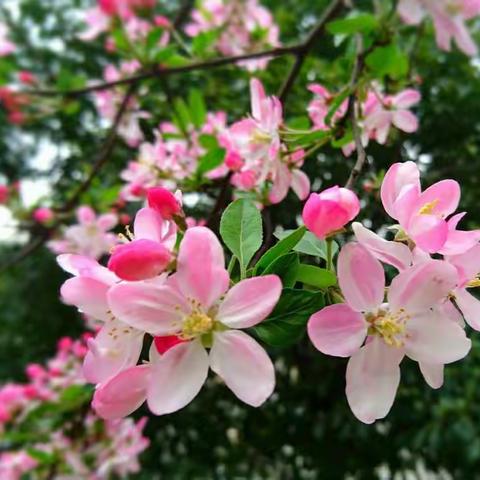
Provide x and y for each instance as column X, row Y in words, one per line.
column 448, row 17
column 97, row 22
column 27, row 77
column 423, row 215
column 196, row 305
column 4, row 194
column 6, row 46
column 377, row 335
column 318, row 108
column 164, row 202
column 392, row 110
column 329, row 211
column 148, row 254
column 43, row 215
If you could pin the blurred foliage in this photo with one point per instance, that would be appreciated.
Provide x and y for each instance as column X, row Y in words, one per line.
column 306, row 430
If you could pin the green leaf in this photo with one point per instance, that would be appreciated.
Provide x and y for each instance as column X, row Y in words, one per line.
column 203, row 42
column 176, row 60
column 208, row 142
column 153, row 37
column 388, row 60
column 309, row 244
column 342, row 141
column 164, row 54
column 182, row 114
column 198, row 110
column 360, row 23
column 336, row 104
column 286, row 324
column 315, row 276
column 286, row 267
column 241, row 230
column 285, row 245
column 308, row 138
column 44, row 458
column 211, row 160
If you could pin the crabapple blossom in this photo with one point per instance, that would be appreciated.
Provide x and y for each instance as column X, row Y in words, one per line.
column 329, row 211
column 424, row 215
column 4, row 194
column 318, row 108
column 90, row 237
column 377, row 335
column 6, row 46
column 449, row 18
column 164, row 202
column 196, row 306
column 43, row 215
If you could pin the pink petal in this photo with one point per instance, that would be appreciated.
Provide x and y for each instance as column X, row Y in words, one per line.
column 337, row 330
column 300, row 184
column 406, row 98
column 405, row 121
column 107, row 221
column 257, row 94
column 250, row 301
column 432, row 373
column 201, row 273
column 398, row 176
column 433, row 338
column 149, row 225
column 88, row 295
column 470, row 307
column 467, row 264
column 464, row 40
column 281, row 184
column 411, row 11
column 122, row 394
column 177, row 377
column 85, row 215
column 459, row 241
column 394, row 253
column 361, row 277
column 115, row 348
column 429, row 232
column 243, row 365
column 373, row 376
column 422, row 286
column 156, row 309
column 443, row 196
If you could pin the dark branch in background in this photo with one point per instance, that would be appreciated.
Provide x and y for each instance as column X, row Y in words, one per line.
column 223, row 199
column 102, row 158
column 304, row 48
column 182, row 14
column 352, row 112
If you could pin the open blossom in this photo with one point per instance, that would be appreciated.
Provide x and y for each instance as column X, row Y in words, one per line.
column 193, row 310
column 327, row 212
column 318, row 108
column 377, row 335
column 256, row 154
column 6, row 46
column 149, row 251
column 449, row 18
column 90, row 237
column 244, row 26
column 426, row 217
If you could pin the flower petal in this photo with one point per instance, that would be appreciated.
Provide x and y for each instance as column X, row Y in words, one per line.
column 156, row 309
column 361, row 277
column 250, row 301
column 177, row 377
column 433, row 338
column 243, row 365
column 432, row 373
column 470, row 307
column 201, row 272
column 442, row 197
column 122, row 394
column 300, row 184
column 373, row 376
column 422, row 286
column 428, row 231
column 405, row 120
column 149, row 225
column 337, row 330
column 396, row 254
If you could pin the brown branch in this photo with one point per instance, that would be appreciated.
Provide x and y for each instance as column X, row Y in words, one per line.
column 223, row 198
column 304, row 48
column 182, row 14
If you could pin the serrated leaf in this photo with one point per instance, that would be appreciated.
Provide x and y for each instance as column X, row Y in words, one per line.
column 241, row 230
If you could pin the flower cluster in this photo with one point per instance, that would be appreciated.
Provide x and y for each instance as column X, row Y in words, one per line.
column 421, row 318
column 6, row 46
column 235, row 27
column 83, row 445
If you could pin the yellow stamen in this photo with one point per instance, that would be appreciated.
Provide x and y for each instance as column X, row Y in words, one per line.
column 197, row 323
column 474, row 283
column 261, row 137
column 428, row 208
column 388, row 326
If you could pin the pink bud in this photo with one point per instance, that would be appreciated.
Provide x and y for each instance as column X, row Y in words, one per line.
column 34, row 370
column 3, row 194
column 163, row 202
column 330, row 210
column 233, row 160
column 64, row 344
column 43, row 215
column 166, row 343
column 139, row 260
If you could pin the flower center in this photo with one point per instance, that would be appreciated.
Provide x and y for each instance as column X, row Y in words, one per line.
column 259, row 136
column 428, row 208
column 474, row 283
column 196, row 324
column 389, row 326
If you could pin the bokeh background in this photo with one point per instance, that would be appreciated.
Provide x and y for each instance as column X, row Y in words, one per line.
column 306, row 430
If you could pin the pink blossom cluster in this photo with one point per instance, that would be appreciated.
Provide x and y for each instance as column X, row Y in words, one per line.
column 376, row 115
column 97, row 450
column 448, row 17
column 426, row 302
column 172, row 157
column 241, row 27
column 6, row 46
column 91, row 236
column 182, row 299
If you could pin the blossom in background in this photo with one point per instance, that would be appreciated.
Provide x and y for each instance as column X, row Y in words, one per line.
column 319, row 107
column 192, row 310
column 329, row 211
column 6, row 46
column 426, row 216
column 243, row 26
column 377, row 335
column 4, row 194
column 90, row 237
column 43, row 215
column 449, row 18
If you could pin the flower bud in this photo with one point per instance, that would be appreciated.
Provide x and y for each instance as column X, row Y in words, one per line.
column 3, row 194
column 329, row 211
column 163, row 202
column 139, row 260
column 43, row 215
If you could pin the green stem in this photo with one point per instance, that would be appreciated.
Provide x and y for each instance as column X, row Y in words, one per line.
column 329, row 254
column 231, row 264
